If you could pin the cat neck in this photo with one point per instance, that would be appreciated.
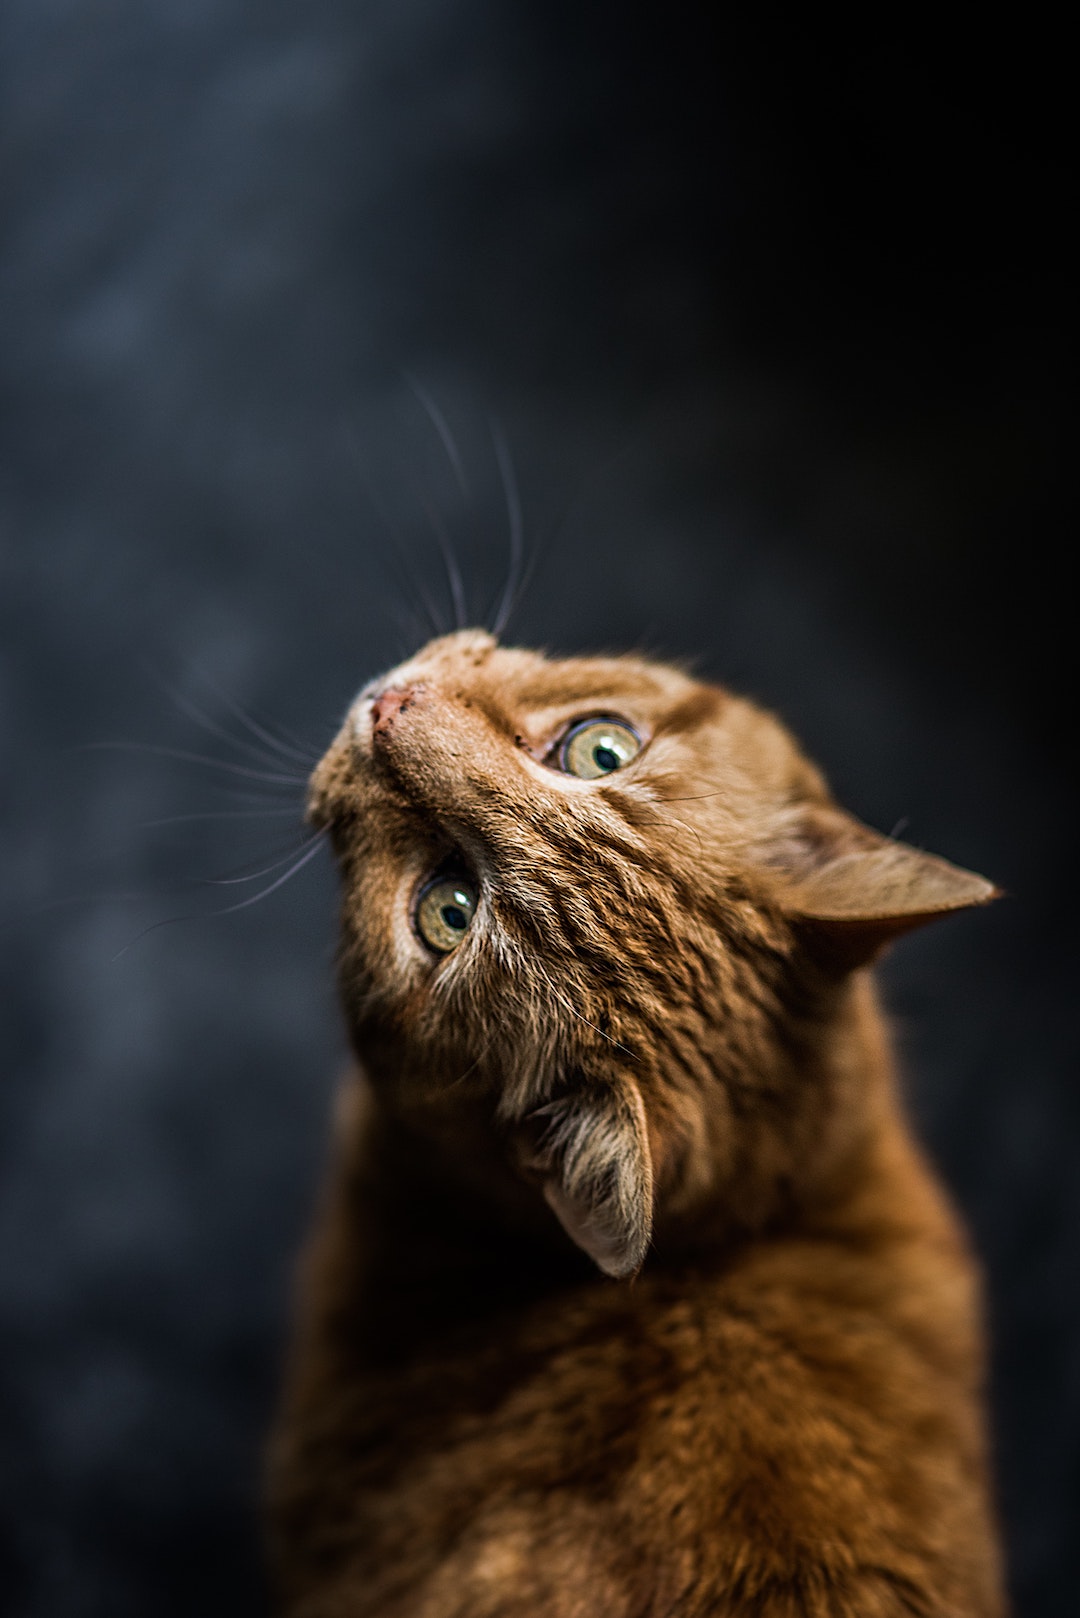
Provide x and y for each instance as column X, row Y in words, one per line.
column 449, row 1216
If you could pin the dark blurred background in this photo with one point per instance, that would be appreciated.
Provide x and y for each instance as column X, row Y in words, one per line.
column 770, row 315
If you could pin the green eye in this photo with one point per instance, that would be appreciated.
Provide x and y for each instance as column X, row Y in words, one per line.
column 445, row 909
column 596, row 747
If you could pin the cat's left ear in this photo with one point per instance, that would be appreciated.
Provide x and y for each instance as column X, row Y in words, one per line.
column 591, row 1149
column 856, row 890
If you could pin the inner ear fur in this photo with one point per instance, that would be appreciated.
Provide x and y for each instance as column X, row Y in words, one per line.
column 853, row 891
column 590, row 1147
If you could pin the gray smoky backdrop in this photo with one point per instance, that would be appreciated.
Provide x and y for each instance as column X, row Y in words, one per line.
column 756, row 323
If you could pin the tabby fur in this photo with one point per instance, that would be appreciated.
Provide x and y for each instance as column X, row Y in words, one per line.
column 631, row 1295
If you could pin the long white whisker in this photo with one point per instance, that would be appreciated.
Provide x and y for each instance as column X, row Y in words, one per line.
column 595, row 1029
column 194, row 758
column 514, row 521
column 424, row 596
column 222, row 814
column 526, row 579
column 266, row 755
column 574, row 1013
column 406, row 580
column 253, row 876
column 228, row 910
column 442, row 427
column 453, row 572
column 286, row 743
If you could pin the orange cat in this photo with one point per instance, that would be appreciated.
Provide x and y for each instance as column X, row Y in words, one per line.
column 632, row 1296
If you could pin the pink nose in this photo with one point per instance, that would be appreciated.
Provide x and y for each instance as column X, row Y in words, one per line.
column 386, row 707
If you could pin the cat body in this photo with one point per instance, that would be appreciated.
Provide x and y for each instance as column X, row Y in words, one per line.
column 631, row 1295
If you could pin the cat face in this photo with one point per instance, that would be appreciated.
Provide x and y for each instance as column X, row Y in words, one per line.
column 581, row 889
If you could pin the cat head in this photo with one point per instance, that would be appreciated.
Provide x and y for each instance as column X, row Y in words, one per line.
column 617, row 905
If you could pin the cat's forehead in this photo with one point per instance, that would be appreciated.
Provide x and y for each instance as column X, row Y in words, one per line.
column 535, row 686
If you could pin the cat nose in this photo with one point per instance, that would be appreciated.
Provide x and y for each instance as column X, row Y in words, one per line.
column 388, row 704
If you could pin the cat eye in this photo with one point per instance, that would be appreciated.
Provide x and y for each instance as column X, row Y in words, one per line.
column 444, row 911
column 596, row 747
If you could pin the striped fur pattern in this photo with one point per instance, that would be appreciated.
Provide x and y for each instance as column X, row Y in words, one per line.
column 655, row 1054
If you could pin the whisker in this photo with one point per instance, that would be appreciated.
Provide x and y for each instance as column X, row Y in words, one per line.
column 695, row 797
column 673, row 820
column 514, row 521
column 227, row 910
column 194, row 758
column 442, row 427
column 193, row 711
column 177, row 885
column 449, row 560
column 472, row 1067
column 256, row 795
column 407, row 578
column 574, row 1013
column 285, row 743
column 220, row 814
column 425, row 598
column 411, row 632
column 409, row 581
column 519, row 594
column 253, row 876
column 594, row 1027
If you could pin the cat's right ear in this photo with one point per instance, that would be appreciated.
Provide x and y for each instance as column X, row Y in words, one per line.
column 590, row 1148
column 854, row 890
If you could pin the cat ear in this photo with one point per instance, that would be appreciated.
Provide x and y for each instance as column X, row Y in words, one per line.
column 855, row 890
column 591, row 1148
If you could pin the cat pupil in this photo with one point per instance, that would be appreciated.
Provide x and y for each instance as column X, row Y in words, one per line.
column 454, row 918
column 606, row 758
